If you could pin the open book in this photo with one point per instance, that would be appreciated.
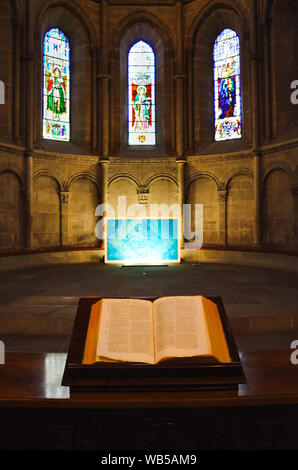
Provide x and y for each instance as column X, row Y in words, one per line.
column 142, row 331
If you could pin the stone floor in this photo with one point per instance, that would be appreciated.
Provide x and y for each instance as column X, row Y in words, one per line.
column 38, row 305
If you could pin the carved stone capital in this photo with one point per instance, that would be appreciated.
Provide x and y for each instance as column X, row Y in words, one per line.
column 221, row 187
column 104, row 161
column 143, row 190
column 222, row 195
column 64, row 187
column 64, row 197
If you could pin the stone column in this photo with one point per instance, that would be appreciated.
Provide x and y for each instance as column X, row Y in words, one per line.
column 180, row 118
column 17, row 81
column 267, row 66
column 222, row 209
column 190, row 94
column 104, row 188
column 179, row 82
column 257, row 159
column 28, row 58
column 28, row 198
column 29, row 113
column 64, row 198
column 179, row 93
column 143, row 193
column 181, row 195
column 94, row 103
column 104, row 81
column 104, row 180
column 255, row 119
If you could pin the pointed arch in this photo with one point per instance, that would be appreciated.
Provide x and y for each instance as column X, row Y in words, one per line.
column 141, row 94
column 131, row 30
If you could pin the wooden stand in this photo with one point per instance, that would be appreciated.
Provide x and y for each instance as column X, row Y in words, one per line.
column 173, row 374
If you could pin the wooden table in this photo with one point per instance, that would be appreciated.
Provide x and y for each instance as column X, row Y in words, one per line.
column 36, row 412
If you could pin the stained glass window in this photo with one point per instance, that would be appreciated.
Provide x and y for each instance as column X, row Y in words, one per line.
column 141, row 95
column 56, row 86
column 227, row 93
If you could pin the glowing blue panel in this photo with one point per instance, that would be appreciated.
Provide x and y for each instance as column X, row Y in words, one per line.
column 142, row 241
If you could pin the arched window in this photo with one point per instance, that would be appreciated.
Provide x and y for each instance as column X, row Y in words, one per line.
column 141, row 95
column 227, row 93
column 56, row 86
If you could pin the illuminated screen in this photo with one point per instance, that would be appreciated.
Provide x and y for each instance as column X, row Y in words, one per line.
column 142, row 241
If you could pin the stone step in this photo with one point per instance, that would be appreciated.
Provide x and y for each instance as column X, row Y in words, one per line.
column 59, row 319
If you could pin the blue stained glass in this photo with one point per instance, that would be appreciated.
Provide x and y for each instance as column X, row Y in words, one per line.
column 56, row 86
column 227, row 92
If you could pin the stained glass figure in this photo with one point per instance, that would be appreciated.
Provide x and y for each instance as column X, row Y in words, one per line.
column 141, row 95
column 227, row 93
column 56, row 86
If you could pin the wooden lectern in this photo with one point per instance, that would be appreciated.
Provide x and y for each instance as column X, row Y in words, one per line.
column 173, row 374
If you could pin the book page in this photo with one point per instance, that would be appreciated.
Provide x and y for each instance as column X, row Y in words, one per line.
column 180, row 327
column 92, row 334
column 218, row 342
column 126, row 330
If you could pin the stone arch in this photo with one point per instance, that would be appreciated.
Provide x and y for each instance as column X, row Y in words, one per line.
column 162, row 189
column 153, row 22
column 82, row 203
column 126, row 176
column 16, row 174
column 278, row 208
column 121, row 185
column 12, row 211
column 81, row 175
column 73, row 9
column 240, row 209
column 207, row 10
column 282, row 166
column 49, row 174
column 234, row 173
column 202, row 174
column 164, row 176
column 46, row 207
column 203, row 189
